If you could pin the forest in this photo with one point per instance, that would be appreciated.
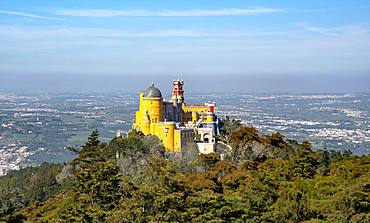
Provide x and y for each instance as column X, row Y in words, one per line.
column 252, row 177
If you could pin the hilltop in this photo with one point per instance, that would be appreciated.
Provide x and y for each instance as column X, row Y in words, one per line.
column 251, row 177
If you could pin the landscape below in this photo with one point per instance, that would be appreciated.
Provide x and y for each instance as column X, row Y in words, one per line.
column 260, row 178
column 37, row 128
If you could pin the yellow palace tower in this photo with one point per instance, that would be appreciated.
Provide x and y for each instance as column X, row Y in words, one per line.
column 174, row 122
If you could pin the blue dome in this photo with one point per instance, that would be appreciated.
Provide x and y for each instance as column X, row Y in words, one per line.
column 152, row 92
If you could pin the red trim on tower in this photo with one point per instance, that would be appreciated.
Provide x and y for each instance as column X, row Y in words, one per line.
column 178, row 88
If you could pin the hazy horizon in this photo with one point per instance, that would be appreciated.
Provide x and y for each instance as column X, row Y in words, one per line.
column 193, row 84
column 224, row 46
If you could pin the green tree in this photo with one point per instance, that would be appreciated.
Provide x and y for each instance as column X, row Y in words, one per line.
column 97, row 179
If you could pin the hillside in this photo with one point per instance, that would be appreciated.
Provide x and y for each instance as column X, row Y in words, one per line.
column 252, row 177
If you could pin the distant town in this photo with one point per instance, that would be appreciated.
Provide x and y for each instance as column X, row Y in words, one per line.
column 37, row 128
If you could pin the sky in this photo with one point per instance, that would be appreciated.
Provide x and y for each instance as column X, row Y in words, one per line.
column 229, row 45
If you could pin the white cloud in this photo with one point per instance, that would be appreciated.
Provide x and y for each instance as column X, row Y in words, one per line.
column 16, row 32
column 335, row 31
column 168, row 13
column 65, row 48
column 16, row 13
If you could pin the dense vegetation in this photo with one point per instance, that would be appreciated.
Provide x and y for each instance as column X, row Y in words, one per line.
column 18, row 189
column 261, row 178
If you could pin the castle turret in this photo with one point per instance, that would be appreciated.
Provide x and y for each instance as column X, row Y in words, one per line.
column 145, row 125
column 153, row 104
column 178, row 91
column 178, row 100
column 150, row 110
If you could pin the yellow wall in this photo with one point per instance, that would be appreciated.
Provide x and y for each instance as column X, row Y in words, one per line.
column 199, row 109
column 150, row 120
column 165, row 132
column 194, row 116
column 177, row 141
column 145, row 124
column 209, row 117
column 154, row 106
column 150, row 112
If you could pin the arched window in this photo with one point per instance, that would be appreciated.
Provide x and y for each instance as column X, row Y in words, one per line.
column 206, row 138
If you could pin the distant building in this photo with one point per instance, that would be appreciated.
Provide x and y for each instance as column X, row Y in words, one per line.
column 174, row 122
